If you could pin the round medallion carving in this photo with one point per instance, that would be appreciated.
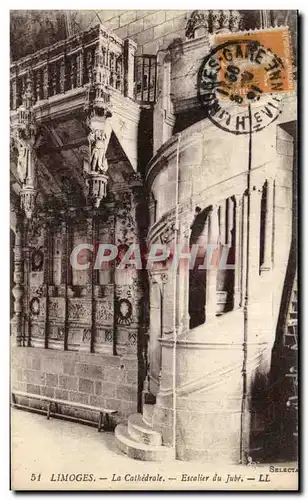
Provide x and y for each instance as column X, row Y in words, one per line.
column 35, row 306
column 124, row 312
column 37, row 260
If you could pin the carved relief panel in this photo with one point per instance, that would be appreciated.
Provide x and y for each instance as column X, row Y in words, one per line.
column 80, row 237
column 79, row 322
column 125, row 227
column 106, row 235
column 128, row 303
column 79, row 311
column 36, row 242
column 37, row 320
column 56, row 322
column 104, row 319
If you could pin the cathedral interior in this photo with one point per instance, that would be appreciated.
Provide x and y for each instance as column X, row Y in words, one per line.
column 110, row 145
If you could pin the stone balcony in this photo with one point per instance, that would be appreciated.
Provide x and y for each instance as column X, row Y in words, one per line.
column 69, row 102
column 94, row 56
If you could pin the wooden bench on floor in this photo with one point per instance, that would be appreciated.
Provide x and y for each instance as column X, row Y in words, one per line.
column 104, row 413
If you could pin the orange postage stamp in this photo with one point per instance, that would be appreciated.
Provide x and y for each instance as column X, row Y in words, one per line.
column 265, row 56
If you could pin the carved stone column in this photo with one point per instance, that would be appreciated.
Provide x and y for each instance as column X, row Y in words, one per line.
column 80, row 70
column 18, row 289
column 68, row 273
column 94, row 280
column 158, row 282
column 268, row 229
column 26, row 313
column 55, row 279
column 98, row 112
column 238, row 251
column 164, row 118
column 265, row 21
column 107, row 236
column 230, row 221
column 129, row 62
column 46, row 80
column 223, row 241
column 25, row 139
column 254, row 237
column 14, row 87
column 222, row 222
column 211, row 300
column 65, row 259
column 230, row 273
column 183, row 281
column 57, row 257
column 26, row 281
column 88, row 331
column 90, row 239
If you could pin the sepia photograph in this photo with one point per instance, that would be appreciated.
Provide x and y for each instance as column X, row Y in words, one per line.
column 153, row 250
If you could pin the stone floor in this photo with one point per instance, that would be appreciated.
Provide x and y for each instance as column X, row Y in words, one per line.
column 39, row 444
column 44, row 451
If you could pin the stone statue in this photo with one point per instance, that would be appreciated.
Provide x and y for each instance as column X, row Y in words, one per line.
column 98, row 148
column 25, row 162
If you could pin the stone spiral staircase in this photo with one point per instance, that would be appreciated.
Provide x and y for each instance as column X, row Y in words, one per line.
column 139, row 440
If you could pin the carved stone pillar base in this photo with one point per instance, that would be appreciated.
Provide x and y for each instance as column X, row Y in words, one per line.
column 27, row 199
column 16, row 329
column 97, row 184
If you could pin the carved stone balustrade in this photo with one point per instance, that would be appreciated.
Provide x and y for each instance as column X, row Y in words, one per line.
column 95, row 56
column 85, row 83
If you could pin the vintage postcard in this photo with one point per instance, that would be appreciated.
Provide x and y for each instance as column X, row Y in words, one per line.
column 153, row 176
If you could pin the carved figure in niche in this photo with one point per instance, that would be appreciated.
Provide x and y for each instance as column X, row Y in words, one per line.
column 37, row 260
column 124, row 312
column 25, row 163
column 98, row 148
column 35, row 306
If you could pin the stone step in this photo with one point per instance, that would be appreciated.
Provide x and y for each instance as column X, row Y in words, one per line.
column 147, row 414
column 140, row 431
column 137, row 450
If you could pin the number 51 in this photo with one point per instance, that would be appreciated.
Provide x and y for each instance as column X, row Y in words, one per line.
column 35, row 477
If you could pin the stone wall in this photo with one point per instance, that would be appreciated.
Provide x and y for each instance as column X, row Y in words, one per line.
column 150, row 29
column 94, row 379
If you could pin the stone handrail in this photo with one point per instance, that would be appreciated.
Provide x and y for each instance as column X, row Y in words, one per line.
column 93, row 56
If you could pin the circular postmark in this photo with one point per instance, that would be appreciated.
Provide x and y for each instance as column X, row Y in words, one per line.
column 239, row 83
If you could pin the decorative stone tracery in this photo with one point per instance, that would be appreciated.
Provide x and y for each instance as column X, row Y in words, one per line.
column 201, row 23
